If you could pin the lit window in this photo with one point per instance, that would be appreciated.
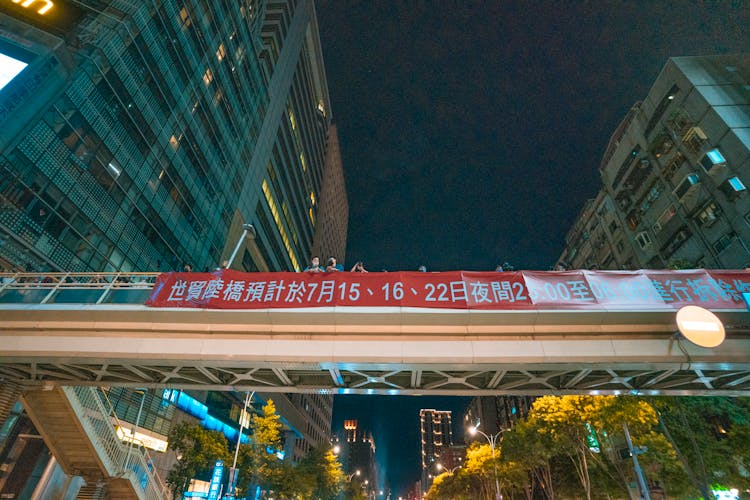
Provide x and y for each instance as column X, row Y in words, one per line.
column 736, row 184
column 221, row 53
column 174, row 142
column 114, row 169
column 239, row 53
column 709, row 214
column 280, row 225
column 686, row 185
column 312, row 198
column 643, row 240
column 208, row 77
column 712, row 159
column 184, row 18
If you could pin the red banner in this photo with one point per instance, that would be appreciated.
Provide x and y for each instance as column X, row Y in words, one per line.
column 455, row 290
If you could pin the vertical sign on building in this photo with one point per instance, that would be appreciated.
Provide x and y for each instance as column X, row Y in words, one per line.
column 215, row 489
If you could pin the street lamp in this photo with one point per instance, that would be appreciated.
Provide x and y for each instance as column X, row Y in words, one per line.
column 350, row 476
column 247, row 230
column 450, row 471
column 134, row 428
column 493, row 441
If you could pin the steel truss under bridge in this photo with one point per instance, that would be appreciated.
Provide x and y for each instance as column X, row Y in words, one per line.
column 110, row 339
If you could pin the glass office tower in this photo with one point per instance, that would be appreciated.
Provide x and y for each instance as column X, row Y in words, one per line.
column 141, row 135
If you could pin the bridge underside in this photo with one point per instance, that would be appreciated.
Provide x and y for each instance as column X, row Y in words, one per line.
column 356, row 351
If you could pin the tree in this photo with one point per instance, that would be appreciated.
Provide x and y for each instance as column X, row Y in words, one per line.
column 259, row 460
column 319, row 474
column 531, row 451
column 711, row 436
column 563, row 420
column 453, row 486
column 197, row 450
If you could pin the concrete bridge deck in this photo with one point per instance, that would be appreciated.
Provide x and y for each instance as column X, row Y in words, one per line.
column 368, row 350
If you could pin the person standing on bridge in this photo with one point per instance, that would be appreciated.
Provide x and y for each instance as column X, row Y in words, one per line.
column 314, row 266
column 359, row 268
column 332, row 266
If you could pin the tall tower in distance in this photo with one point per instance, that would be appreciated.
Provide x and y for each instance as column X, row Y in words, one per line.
column 359, row 454
column 437, row 435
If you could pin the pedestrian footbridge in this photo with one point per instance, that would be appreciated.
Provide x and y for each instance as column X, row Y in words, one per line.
column 382, row 333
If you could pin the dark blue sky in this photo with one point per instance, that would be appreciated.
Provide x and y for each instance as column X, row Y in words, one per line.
column 471, row 132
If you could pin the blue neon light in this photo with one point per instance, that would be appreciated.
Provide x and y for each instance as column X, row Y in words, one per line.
column 193, row 407
column 213, row 490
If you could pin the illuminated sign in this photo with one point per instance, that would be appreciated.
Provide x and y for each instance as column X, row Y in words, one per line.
column 59, row 17
column 145, row 440
column 46, row 5
column 214, row 489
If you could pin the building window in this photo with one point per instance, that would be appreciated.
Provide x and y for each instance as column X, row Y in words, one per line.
column 733, row 187
column 643, row 239
column 184, row 18
column 694, row 139
column 722, row 243
column 208, row 77
column 221, row 52
column 665, row 217
column 620, row 246
column 686, row 185
column 712, row 159
column 676, row 242
column 633, row 220
column 709, row 214
column 653, row 195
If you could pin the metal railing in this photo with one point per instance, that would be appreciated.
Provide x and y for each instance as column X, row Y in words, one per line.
column 76, row 288
column 119, row 459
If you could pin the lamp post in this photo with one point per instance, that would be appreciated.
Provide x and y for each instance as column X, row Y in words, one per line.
column 134, row 429
column 493, row 439
column 450, row 471
column 232, row 487
column 350, row 476
column 247, row 229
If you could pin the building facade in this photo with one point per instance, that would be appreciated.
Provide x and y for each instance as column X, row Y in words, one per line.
column 674, row 175
column 493, row 414
column 141, row 136
column 437, row 435
column 358, row 455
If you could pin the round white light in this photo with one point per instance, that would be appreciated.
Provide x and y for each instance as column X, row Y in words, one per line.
column 700, row 326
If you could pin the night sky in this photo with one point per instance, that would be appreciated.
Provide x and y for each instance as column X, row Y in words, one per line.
column 471, row 133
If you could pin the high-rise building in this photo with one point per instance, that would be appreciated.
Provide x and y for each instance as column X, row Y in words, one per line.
column 141, row 136
column 358, row 454
column 494, row 414
column 437, row 434
column 674, row 175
